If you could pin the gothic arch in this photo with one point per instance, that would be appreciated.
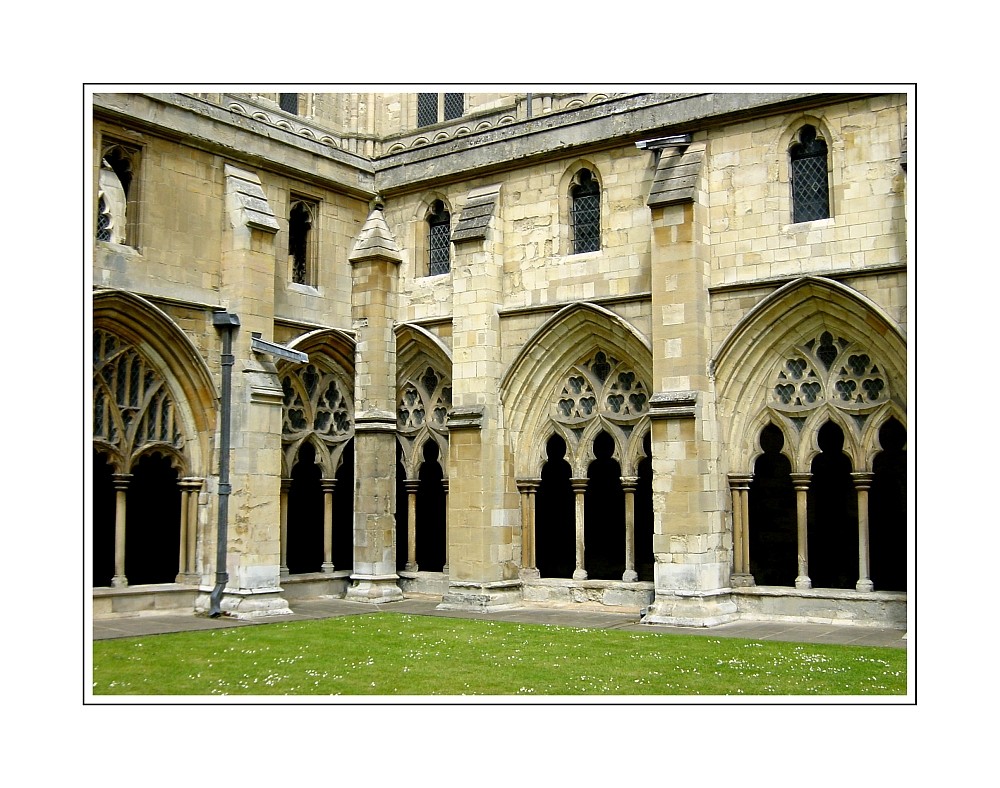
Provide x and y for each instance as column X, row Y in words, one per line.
column 423, row 395
column 567, row 346
column 318, row 400
column 791, row 332
column 167, row 353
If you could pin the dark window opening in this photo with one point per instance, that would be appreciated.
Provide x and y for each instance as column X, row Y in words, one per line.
column 152, row 523
column 299, row 227
column 832, row 515
column 104, row 521
column 773, row 523
column 439, row 226
column 604, row 514
column 586, row 213
column 342, row 542
column 810, row 183
column 555, row 515
column 289, row 102
column 103, row 220
column 644, row 558
column 431, row 512
column 402, row 511
column 887, row 511
column 304, row 551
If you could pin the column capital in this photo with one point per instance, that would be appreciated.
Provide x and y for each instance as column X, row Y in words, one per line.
column 579, row 485
column 528, row 485
column 191, row 483
column 328, row 485
column 411, row 485
column 740, row 481
column 801, row 481
column 286, row 485
column 629, row 483
column 121, row 480
column 862, row 479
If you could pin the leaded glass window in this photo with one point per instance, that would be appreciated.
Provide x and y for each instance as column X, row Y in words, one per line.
column 586, row 197
column 427, row 109
column 103, row 220
column 289, row 102
column 810, row 184
column 454, row 105
column 439, row 226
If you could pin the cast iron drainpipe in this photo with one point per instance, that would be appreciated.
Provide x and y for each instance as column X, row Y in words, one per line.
column 227, row 323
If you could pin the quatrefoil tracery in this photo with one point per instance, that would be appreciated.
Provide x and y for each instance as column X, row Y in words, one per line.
column 829, row 369
column 424, row 400
column 316, row 402
column 601, row 386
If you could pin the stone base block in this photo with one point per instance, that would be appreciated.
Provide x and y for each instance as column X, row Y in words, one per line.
column 607, row 593
column 691, row 608
column 143, row 600
column 316, row 585
column 432, row 583
column 822, row 606
column 245, row 603
column 374, row 589
column 742, row 581
column 482, row 597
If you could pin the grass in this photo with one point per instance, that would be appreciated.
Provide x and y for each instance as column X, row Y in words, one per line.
column 401, row 655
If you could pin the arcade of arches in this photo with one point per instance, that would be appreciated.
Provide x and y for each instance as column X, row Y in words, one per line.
column 823, row 503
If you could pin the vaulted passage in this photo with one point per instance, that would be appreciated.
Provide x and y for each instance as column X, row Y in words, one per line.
column 833, row 515
column 104, row 521
column 887, row 510
column 305, row 514
column 772, row 514
column 152, row 532
column 604, row 514
column 555, row 518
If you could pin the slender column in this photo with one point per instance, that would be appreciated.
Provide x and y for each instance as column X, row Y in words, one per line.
column 739, row 487
column 447, row 530
column 629, row 483
column 412, row 485
column 328, row 485
column 189, row 527
column 527, row 488
column 801, row 483
column 579, row 489
column 286, row 486
column 120, row 481
column 863, row 483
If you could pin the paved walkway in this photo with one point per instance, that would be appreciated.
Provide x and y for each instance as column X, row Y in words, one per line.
column 568, row 616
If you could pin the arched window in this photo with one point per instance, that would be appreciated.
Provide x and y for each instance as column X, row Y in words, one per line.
column 301, row 252
column 808, row 176
column 289, row 102
column 118, row 203
column 585, row 195
column 439, row 239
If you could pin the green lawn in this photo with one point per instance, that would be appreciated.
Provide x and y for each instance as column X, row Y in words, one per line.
column 398, row 655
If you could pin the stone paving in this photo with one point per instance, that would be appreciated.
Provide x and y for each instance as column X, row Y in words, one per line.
column 568, row 616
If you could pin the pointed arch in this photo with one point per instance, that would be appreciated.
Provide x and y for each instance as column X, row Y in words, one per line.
column 318, row 400
column 423, row 386
column 786, row 321
column 529, row 387
column 171, row 354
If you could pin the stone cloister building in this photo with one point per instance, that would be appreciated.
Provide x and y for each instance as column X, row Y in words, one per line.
column 645, row 350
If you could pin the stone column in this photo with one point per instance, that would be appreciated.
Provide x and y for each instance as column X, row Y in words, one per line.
column 447, row 530
column 801, row 483
column 863, row 483
column 579, row 494
column 374, row 270
column 328, row 485
column 739, row 486
column 692, row 545
column 186, row 569
column 629, row 483
column 120, row 482
column 286, row 486
column 482, row 500
column 412, row 486
column 528, row 488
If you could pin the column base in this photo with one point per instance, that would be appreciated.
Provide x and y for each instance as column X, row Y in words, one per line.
column 803, row 582
column 530, row 573
column 411, row 567
column 245, row 603
column 865, row 586
column 691, row 609
column 742, row 580
column 119, row 581
column 326, row 568
column 630, row 576
column 579, row 574
column 482, row 597
column 374, row 589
